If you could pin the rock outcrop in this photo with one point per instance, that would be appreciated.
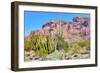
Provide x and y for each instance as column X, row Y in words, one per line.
column 78, row 28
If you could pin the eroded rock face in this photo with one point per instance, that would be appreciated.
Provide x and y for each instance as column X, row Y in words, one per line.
column 78, row 29
column 85, row 21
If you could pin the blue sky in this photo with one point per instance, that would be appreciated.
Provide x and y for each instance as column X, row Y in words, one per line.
column 33, row 20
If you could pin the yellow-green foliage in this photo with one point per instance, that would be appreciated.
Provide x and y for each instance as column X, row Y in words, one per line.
column 85, row 46
column 42, row 44
column 28, row 45
column 84, row 43
column 47, row 45
column 79, row 47
column 51, row 43
column 66, row 46
column 75, row 47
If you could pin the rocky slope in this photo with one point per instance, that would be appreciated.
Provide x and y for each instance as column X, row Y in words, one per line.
column 77, row 29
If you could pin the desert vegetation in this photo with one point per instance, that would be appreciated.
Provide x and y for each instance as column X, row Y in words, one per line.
column 43, row 46
column 54, row 46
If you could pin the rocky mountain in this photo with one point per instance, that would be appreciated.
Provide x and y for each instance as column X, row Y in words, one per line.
column 77, row 29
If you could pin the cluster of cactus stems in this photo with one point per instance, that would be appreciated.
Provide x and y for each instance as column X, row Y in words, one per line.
column 42, row 44
column 45, row 45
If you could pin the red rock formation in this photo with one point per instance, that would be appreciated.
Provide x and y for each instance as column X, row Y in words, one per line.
column 78, row 29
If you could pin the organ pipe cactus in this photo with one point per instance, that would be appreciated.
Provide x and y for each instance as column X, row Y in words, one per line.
column 42, row 44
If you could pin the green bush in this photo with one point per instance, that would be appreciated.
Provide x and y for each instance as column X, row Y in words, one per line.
column 84, row 43
column 28, row 45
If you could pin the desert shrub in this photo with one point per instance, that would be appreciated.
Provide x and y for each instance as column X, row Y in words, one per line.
column 84, row 43
column 28, row 45
column 60, row 42
column 85, row 46
column 74, row 47
column 56, row 55
column 79, row 47
column 66, row 46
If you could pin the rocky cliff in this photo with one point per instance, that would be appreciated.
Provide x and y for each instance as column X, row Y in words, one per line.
column 77, row 29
